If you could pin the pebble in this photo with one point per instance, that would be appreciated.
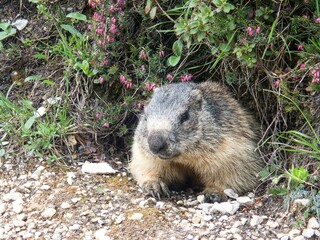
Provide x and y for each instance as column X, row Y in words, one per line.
column 293, row 233
column 136, row 216
column 17, row 206
column 256, row 220
column 302, row 202
column 74, row 227
column 12, row 196
column 200, row 198
column 196, row 219
column 313, row 223
column 3, row 208
column 48, row 213
column 36, row 174
column 18, row 223
column 244, row 200
column 101, row 234
column 308, row 233
column 65, row 205
column 230, row 193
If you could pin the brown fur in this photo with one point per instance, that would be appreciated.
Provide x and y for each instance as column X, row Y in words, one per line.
column 221, row 154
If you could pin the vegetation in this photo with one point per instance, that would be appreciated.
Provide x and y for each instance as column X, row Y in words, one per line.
column 112, row 54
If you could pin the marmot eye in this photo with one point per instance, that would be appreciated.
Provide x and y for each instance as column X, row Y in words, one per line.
column 184, row 117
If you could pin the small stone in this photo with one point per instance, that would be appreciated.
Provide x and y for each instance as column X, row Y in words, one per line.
column 193, row 203
column 317, row 233
column 28, row 235
column 36, row 174
column 302, row 202
column 45, row 187
column 48, row 213
column 313, row 223
column 207, row 218
column 308, row 233
column 226, row 207
column 137, row 200
column 237, row 236
column 136, row 216
column 234, row 230
column 75, row 200
column 74, row 227
column 17, row 206
column 148, row 202
column 18, row 223
column 298, row 238
column 230, row 193
column 284, row 237
column 256, row 220
column 3, row 208
column 12, row 196
column 201, row 198
column 293, row 233
column 244, row 200
column 160, row 205
column 22, row 217
column 65, row 205
column 70, row 177
column 196, row 219
column 272, row 224
column 101, row 234
column 120, row 219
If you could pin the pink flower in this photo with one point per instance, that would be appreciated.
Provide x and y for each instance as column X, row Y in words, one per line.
column 99, row 115
column 128, row 84
column 93, row 3
column 121, row 3
column 316, row 73
column 101, row 80
column 98, row 17
column 112, row 9
column 250, row 31
column 89, row 26
column 140, row 105
column 169, row 77
column 122, row 78
column 113, row 29
column 306, row 1
column 317, row 20
column 105, row 62
column 143, row 68
column 302, row 66
column 277, row 83
column 161, row 53
column 150, row 86
column 113, row 20
column 102, row 43
column 300, row 47
column 143, row 55
column 99, row 31
column 258, row 30
column 185, row 77
column 316, row 80
column 110, row 39
column 106, row 124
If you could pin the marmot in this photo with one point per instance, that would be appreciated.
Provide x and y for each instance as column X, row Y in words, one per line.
column 198, row 134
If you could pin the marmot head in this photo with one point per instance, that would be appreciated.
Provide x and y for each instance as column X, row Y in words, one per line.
column 170, row 121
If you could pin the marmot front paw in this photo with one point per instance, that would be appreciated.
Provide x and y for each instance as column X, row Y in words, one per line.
column 155, row 188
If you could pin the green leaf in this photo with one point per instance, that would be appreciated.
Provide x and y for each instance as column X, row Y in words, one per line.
column 153, row 13
column 2, row 152
column 278, row 192
column 4, row 25
column 177, row 47
column 71, row 30
column 49, row 82
column 40, row 56
column 173, row 60
column 78, row 16
column 7, row 33
column 33, row 77
column 30, row 122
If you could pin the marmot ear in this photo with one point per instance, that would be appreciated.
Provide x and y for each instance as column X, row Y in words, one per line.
column 196, row 98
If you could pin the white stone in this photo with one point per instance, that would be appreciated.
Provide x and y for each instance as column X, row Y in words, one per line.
column 207, row 218
column 65, row 205
column 3, row 208
column 201, row 198
column 70, row 177
column 18, row 223
column 120, row 219
column 302, row 202
column 256, row 220
column 229, row 208
column 293, row 233
column 298, row 238
column 20, row 23
column 160, row 205
column 101, row 234
column 196, row 219
column 74, row 227
column 12, row 196
column 244, row 200
column 36, row 174
column 45, row 187
column 272, row 224
column 101, row 167
column 48, row 213
column 237, row 236
column 230, row 193
column 17, row 206
column 22, row 217
column 137, row 200
column 284, row 237
column 308, row 233
column 136, row 216
column 313, row 223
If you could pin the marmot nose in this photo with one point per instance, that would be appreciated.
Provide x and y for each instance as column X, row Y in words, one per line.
column 157, row 143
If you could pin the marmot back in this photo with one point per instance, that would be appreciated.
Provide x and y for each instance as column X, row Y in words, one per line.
column 195, row 133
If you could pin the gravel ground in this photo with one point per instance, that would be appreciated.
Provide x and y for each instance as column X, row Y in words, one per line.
column 47, row 203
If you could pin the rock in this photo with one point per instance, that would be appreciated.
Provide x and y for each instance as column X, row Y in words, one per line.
column 160, row 205
column 74, row 227
column 101, row 234
column 285, row 237
column 75, row 200
column 230, row 193
column 22, row 217
column 17, row 206
column 313, row 223
column 308, row 233
column 230, row 208
column 148, row 202
column 3, row 208
column 207, row 218
column 136, row 216
column 36, row 174
column 120, row 219
column 70, row 177
column 18, row 223
column 293, row 233
column 196, row 219
column 45, row 187
column 304, row 202
column 65, row 205
column 12, row 196
column 256, row 220
column 48, row 213
column 272, row 224
column 100, row 168
column 201, row 198
column 244, row 200
column 298, row 238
